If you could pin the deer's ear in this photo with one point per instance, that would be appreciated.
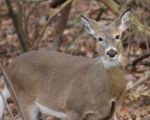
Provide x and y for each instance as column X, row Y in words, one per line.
column 88, row 24
column 125, row 20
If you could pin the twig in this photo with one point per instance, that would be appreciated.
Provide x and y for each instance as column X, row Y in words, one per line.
column 3, row 14
column 55, row 3
column 26, row 23
column 101, row 11
column 146, row 63
column 16, row 18
column 7, row 106
column 60, row 25
column 137, row 25
column 35, row 46
column 9, row 84
column 34, row 1
column 139, row 81
column 140, row 58
column 132, row 65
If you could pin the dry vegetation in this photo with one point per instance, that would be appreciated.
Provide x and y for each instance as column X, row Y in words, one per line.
column 44, row 25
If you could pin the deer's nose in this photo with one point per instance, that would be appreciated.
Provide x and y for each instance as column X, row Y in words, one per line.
column 111, row 53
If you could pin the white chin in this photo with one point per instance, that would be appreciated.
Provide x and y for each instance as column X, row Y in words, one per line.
column 111, row 62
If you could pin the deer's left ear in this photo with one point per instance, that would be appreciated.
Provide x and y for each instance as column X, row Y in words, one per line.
column 88, row 24
column 125, row 20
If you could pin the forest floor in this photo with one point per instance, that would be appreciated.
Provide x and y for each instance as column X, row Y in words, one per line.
column 136, row 104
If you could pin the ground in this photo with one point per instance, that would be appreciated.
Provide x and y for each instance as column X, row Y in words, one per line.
column 136, row 103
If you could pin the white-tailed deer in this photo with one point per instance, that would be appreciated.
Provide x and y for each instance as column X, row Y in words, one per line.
column 71, row 87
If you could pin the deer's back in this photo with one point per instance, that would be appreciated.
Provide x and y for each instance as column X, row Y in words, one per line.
column 40, row 68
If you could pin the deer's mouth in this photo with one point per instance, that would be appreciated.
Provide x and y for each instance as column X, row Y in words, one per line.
column 115, row 58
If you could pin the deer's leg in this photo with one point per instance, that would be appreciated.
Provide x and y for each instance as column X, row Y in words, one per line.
column 30, row 111
column 2, row 107
column 114, row 117
column 4, row 95
column 71, row 115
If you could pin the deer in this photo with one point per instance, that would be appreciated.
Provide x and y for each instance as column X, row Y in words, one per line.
column 70, row 87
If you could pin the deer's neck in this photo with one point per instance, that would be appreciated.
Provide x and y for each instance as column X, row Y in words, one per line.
column 106, row 79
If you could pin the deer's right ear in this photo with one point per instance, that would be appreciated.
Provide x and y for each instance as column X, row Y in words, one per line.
column 87, row 23
column 125, row 20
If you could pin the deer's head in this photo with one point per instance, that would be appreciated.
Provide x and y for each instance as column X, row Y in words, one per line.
column 108, row 37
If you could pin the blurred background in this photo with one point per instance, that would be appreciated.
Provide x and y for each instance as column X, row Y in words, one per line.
column 27, row 25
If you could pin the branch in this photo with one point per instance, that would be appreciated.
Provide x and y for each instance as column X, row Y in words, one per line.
column 9, row 84
column 34, row 1
column 60, row 25
column 55, row 3
column 137, row 25
column 35, row 46
column 140, row 58
column 139, row 81
column 16, row 18
column 3, row 14
column 26, row 25
column 101, row 11
column 131, row 65
column 146, row 63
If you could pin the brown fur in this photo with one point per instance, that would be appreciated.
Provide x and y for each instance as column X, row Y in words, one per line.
column 64, row 82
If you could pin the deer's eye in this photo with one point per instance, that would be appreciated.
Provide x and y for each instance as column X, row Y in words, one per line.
column 100, row 39
column 117, row 36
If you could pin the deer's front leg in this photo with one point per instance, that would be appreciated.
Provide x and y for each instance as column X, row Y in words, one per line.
column 71, row 115
column 114, row 117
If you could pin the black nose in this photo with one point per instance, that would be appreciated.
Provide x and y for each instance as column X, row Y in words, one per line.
column 111, row 53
